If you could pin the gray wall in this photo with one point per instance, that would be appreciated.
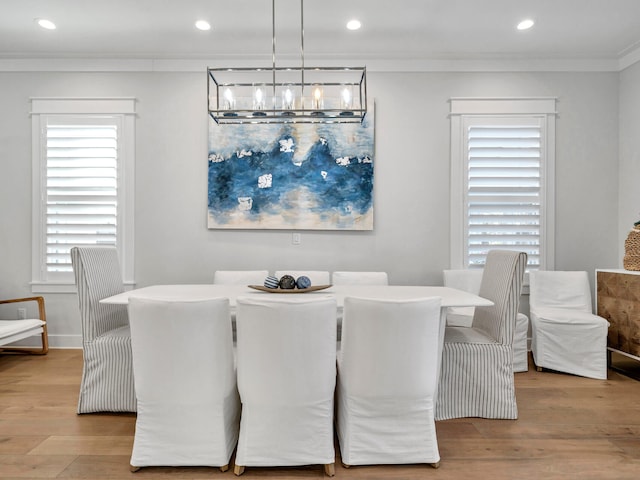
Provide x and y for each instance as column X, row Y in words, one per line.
column 411, row 233
column 629, row 171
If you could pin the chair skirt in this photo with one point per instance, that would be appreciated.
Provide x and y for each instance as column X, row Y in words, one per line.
column 570, row 341
column 520, row 341
column 295, row 435
column 476, row 380
column 107, row 374
column 375, row 432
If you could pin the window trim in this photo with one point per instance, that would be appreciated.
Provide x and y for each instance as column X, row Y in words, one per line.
column 41, row 109
column 463, row 108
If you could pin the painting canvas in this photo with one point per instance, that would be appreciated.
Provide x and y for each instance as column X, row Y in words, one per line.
column 291, row 176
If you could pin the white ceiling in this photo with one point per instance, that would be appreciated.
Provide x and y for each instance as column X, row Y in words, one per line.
column 577, row 32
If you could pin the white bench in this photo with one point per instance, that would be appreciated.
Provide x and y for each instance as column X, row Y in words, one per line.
column 13, row 330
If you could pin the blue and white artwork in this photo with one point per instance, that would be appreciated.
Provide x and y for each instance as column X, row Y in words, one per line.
column 291, row 176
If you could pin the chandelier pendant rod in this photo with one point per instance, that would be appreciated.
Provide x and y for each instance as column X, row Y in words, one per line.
column 302, row 52
column 273, row 49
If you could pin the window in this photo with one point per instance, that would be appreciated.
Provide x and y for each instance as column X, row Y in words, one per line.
column 502, row 159
column 83, row 177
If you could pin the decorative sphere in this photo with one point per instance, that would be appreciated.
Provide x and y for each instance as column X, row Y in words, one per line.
column 271, row 282
column 287, row 282
column 303, row 282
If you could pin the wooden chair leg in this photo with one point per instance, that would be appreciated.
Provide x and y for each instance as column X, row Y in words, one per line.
column 44, row 336
column 346, row 465
column 330, row 469
column 238, row 470
column 435, row 465
column 133, row 469
column 224, row 468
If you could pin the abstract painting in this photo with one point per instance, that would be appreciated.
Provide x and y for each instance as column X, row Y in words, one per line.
column 291, row 176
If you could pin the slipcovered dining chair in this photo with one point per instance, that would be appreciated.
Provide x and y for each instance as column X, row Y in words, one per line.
column 566, row 335
column 476, row 379
column 286, row 377
column 387, row 379
column 469, row 281
column 317, row 277
column 357, row 278
column 107, row 371
column 240, row 277
column 185, row 378
column 360, row 278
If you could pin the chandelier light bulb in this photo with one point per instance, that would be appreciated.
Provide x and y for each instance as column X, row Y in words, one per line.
column 287, row 99
column 229, row 101
column 317, row 98
column 258, row 98
column 346, row 98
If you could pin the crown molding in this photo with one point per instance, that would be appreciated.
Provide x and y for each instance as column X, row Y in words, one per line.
column 629, row 59
column 373, row 64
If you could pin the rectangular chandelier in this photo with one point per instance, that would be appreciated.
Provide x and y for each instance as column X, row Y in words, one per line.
column 287, row 94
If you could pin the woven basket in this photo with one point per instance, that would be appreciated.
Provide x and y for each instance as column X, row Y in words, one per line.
column 631, row 259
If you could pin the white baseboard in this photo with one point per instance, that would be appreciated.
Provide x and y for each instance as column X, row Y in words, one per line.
column 65, row 341
column 55, row 341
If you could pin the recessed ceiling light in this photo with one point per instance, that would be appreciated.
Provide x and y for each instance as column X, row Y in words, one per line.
column 525, row 24
column 354, row 24
column 44, row 23
column 203, row 25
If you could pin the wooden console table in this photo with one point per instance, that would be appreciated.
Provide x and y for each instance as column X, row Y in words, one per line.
column 618, row 300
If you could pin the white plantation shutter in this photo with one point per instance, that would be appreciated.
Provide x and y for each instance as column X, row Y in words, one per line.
column 82, row 188
column 502, row 180
column 503, row 189
column 83, row 166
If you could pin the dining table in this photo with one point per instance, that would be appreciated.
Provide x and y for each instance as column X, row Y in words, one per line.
column 449, row 297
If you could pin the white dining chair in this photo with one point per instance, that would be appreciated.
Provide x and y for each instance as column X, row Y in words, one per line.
column 469, row 281
column 286, row 352
column 185, row 379
column 317, row 277
column 566, row 335
column 477, row 378
column 240, row 277
column 387, row 378
column 359, row 278
column 107, row 370
column 462, row 279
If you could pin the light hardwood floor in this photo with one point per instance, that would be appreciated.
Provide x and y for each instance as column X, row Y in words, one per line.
column 569, row 428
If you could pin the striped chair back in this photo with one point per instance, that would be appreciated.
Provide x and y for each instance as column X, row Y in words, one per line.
column 97, row 273
column 502, row 284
